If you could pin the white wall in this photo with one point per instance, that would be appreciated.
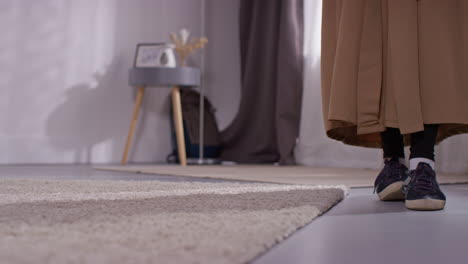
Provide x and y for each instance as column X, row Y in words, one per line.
column 64, row 96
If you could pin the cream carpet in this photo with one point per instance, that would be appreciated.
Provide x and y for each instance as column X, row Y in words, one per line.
column 276, row 174
column 70, row 221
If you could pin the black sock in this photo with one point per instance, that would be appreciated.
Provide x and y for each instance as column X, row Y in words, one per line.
column 392, row 143
column 423, row 142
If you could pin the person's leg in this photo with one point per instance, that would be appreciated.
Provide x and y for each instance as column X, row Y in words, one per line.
column 389, row 182
column 422, row 146
column 392, row 143
column 423, row 192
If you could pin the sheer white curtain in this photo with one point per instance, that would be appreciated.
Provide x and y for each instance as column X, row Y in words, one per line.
column 314, row 148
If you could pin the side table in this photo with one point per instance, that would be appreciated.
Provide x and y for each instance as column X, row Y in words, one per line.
column 162, row 77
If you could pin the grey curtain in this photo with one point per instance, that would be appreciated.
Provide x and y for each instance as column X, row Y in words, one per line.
column 267, row 124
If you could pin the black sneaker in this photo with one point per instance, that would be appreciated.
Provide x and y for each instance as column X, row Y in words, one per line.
column 389, row 183
column 423, row 191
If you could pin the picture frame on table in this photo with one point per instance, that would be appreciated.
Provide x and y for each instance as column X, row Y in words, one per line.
column 148, row 55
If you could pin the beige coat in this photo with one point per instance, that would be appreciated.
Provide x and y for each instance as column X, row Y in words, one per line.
column 394, row 63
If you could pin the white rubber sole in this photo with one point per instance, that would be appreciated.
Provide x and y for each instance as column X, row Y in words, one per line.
column 393, row 192
column 425, row 204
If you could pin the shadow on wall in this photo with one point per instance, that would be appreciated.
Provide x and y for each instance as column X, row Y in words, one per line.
column 91, row 114
column 64, row 95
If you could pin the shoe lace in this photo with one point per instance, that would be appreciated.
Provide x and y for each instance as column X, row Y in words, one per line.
column 423, row 180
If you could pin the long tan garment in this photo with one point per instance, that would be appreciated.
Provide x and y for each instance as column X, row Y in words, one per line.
column 394, row 63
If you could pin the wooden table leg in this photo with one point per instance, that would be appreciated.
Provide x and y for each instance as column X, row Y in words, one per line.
column 136, row 109
column 179, row 125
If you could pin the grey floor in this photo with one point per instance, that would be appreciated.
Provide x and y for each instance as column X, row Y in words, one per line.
column 360, row 229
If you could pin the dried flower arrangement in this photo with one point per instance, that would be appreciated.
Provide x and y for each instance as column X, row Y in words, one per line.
column 184, row 46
